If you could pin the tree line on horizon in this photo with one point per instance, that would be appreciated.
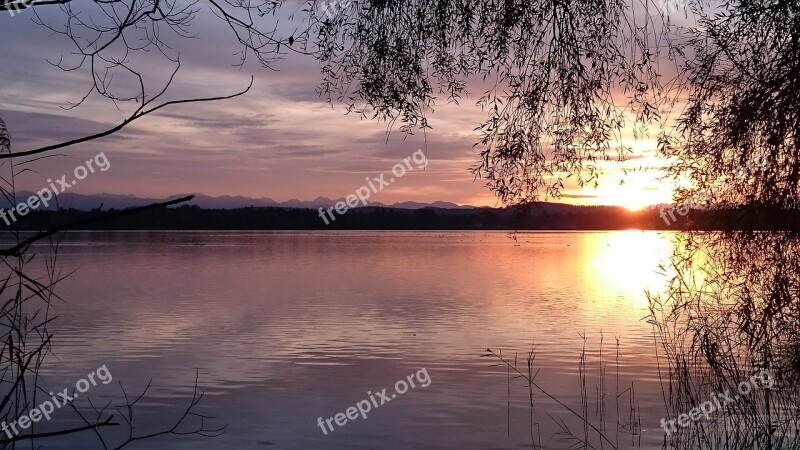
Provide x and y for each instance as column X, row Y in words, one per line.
column 563, row 217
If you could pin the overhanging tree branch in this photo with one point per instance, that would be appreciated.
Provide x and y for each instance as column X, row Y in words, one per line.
column 136, row 115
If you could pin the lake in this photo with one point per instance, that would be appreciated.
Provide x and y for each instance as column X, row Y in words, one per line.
column 283, row 328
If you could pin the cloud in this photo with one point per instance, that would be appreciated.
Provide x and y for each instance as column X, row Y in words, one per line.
column 280, row 140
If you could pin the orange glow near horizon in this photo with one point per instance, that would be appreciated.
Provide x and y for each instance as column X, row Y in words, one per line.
column 634, row 184
column 638, row 191
column 631, row 197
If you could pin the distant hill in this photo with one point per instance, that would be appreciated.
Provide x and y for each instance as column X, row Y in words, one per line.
column 82, row 202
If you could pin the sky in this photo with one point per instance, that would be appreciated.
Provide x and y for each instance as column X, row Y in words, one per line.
column 280, row 140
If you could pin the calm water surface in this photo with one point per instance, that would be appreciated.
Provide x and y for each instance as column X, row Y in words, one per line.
column 287, row 327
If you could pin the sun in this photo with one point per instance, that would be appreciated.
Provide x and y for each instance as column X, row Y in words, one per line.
column 635, row 194
column 631, row 199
